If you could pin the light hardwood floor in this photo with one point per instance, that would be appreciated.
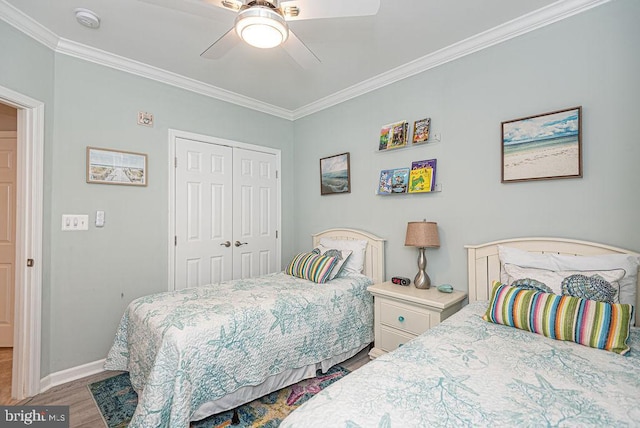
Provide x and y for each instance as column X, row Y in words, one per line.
column 83, row 412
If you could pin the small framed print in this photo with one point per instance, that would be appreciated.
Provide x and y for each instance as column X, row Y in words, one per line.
column 335, row 174
column 542, row 147
column 106, row 166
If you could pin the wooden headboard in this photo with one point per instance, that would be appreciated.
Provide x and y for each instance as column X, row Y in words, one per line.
column 484, row 264
column 374, row 253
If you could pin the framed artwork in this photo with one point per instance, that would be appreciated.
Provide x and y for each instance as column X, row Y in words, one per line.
column 335, row 174
column 105, row 166
column 542, row 147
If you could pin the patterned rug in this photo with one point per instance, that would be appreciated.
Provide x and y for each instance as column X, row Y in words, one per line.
column 117, row 401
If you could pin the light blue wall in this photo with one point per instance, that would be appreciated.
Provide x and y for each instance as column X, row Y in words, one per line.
column 90, row 277
column 590, row 60
column 95, row 274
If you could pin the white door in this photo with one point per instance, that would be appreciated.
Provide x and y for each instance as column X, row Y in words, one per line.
column 255, row 213
column 8, row 177
column 203, row 213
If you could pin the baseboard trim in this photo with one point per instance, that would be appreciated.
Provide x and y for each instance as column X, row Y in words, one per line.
column 68, row 375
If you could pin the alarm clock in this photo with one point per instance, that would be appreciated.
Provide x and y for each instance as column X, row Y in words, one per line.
column 399, row 280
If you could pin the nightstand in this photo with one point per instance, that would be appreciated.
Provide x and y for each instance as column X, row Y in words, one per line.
column 402, row 313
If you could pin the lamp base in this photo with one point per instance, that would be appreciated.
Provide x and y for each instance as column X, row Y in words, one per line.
column 422, row 280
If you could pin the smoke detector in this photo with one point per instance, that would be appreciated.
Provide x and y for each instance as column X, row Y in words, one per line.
column 87, row 18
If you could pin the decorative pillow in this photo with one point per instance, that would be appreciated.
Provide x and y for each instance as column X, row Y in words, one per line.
column 553, row 279
column 341, row 257
column 311, row 266
column 355, row 262
column 595, row 324
column 531, row 284
column 628, row 262
column 589, row 287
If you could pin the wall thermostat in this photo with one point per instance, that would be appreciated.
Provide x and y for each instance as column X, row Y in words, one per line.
column 399, row 280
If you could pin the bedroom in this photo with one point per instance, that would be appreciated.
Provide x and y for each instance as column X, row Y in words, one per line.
column 595, row 67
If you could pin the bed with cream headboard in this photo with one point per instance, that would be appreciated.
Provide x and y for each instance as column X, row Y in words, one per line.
column 205, row 350
column 484, row 263
column 467, row 371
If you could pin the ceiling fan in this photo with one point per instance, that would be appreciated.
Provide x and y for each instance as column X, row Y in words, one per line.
column 264, row 23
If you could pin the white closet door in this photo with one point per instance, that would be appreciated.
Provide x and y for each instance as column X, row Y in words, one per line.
column 203, row 205
column 255, row 213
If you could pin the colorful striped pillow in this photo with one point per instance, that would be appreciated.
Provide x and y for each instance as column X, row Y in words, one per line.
column 312, row 266
column 587, row 322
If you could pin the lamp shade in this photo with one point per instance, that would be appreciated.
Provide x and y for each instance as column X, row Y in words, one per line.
column 422, row 234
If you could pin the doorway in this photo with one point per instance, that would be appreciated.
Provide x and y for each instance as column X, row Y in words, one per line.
column 25, row 379
column 8, row 156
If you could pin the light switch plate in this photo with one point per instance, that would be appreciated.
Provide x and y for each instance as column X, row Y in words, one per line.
column 75, row 222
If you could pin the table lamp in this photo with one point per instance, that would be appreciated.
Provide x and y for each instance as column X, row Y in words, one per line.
column 422, row 234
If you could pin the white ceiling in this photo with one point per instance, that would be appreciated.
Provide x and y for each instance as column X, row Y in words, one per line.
column 357, row 54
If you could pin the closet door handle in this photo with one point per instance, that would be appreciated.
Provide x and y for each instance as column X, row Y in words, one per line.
column 239, row 244
column 226, row 244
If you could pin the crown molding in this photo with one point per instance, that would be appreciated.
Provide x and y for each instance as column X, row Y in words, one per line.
column 17, row 19
column 550, row 14
column 88, row 53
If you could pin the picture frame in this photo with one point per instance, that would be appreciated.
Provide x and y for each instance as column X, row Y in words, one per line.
column 335, row 174
column 542, row 147
column 108, row 166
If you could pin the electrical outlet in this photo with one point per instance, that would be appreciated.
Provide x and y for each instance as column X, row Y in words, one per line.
column 71, row 222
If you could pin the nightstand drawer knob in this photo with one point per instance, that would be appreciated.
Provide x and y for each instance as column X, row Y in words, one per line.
column 401, row 318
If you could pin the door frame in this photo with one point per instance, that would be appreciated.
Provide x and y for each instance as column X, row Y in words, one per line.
column 27, row 347
column 174, row 134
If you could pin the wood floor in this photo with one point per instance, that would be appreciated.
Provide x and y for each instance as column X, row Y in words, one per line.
column 83, row 412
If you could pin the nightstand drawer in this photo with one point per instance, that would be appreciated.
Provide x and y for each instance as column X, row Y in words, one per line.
column 401, row 317
column 391, row 339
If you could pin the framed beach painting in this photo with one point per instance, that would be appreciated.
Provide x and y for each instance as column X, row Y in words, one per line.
column 542, row 147
column 106, row 166
column 335, row 174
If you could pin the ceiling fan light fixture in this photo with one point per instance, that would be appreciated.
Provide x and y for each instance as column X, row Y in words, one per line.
column 262, row 27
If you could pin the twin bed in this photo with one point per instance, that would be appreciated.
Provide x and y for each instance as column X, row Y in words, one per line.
column 200, row 351
column 191, row 354
column 470, row 372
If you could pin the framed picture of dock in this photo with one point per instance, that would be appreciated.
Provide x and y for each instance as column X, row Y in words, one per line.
column 106, row 166
column 542, row 147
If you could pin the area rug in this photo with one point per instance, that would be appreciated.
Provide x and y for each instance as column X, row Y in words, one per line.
column 117, row 401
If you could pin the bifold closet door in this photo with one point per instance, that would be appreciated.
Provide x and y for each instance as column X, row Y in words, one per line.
column 204, row 207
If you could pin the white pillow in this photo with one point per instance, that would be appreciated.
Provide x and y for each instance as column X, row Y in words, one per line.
column 341, row 255
column 558, row 262
column 355, row 262
column 553, row 279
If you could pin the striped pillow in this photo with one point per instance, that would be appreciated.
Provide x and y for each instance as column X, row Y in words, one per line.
column 312, row 266
column 587, row 322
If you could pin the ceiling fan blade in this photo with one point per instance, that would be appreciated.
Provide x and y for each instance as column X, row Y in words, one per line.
column 314, row 9
column 300, row 52
column 221, row 46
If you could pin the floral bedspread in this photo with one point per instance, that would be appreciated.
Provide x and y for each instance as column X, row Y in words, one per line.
column 191, row 346
column 467, row 372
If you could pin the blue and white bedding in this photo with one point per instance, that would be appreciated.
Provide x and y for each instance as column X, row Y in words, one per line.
column 468, row 372
column 192, row 346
